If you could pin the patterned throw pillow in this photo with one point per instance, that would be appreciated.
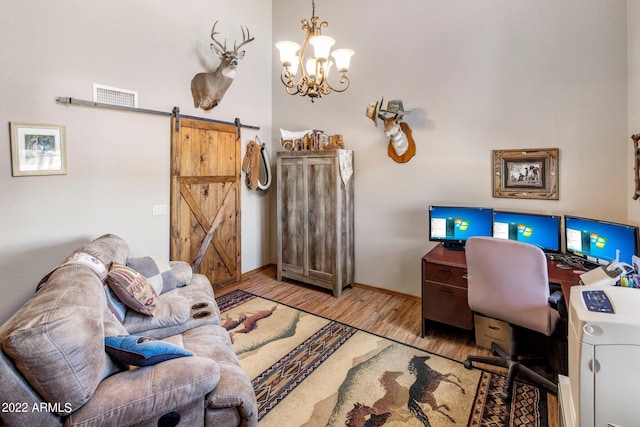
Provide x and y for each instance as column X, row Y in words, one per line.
column 132, row 288
column 157, row 271
column 142, row 351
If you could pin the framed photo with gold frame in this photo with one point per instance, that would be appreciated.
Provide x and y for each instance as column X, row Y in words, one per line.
column 37, row 149
column 526, row 173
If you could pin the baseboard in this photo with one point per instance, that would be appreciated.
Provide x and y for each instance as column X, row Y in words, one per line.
column 273, row 267
column 386, row 291
column 250, row 273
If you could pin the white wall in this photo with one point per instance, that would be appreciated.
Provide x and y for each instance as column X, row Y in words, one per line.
column 478, row 76
column 633, row 15
column 118, row 162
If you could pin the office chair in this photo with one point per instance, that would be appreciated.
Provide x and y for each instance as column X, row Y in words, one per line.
column 508, row 280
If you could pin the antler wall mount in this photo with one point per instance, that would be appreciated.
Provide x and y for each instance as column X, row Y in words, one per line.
column 209, row 88
column 401, row 144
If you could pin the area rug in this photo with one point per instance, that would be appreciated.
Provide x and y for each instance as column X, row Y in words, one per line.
column 311, row 371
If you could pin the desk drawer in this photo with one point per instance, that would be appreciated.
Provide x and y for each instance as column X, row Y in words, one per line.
column 446, row 304
column 452, row 276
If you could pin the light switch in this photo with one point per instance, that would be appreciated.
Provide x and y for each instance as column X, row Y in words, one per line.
column 159, row 210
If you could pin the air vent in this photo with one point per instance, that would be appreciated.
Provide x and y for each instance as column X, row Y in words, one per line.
column 114, row 96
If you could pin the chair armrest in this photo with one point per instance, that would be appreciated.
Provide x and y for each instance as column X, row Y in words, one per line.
column 137, row 395
column 234, row 391
column 556, row 301
column 182, row 271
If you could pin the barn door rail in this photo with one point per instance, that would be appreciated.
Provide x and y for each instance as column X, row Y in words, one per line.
column 174, row 113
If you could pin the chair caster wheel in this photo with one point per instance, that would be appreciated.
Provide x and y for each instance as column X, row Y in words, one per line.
column 505, row 396
column 467, row 364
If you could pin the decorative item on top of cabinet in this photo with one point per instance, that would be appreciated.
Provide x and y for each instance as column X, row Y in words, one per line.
column 310, row 139
column 315, row 218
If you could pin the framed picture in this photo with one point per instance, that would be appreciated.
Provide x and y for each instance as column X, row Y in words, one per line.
column 526, row 174
column 636, row 167
column 37, row 149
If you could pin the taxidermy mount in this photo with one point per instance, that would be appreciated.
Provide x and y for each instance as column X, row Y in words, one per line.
column 209, row 88
column 401, row 146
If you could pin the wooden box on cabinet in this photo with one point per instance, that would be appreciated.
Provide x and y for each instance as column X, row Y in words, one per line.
column 444, row 289
column 315, row 218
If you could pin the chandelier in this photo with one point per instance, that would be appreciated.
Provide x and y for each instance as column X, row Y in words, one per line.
column 314, row 69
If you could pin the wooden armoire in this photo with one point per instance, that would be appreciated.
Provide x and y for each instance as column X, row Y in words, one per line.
column 315, row 218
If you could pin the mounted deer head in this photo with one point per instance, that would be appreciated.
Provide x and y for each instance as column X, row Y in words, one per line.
column 209, row 88
column 401, row 145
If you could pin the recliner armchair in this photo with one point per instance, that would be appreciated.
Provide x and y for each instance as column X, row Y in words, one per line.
column 508, row 281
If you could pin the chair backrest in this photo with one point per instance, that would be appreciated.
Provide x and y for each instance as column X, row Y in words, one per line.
column 508, row 280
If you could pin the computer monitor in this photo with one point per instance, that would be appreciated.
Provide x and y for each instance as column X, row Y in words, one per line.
column 540, row 230
column 597, row 241
column 453, row 225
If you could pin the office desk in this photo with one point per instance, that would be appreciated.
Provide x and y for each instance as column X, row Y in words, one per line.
column 444, row 287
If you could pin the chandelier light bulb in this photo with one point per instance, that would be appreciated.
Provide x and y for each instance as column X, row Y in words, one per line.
column 310, row 67
column 343, row 59
column 288, row 52
column 322, row 46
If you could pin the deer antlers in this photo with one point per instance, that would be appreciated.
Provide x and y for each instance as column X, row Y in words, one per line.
column 220, row 48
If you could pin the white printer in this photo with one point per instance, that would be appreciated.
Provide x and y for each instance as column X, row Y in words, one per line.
column 603, row 386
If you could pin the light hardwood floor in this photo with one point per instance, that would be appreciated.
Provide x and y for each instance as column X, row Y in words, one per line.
column 393, row 316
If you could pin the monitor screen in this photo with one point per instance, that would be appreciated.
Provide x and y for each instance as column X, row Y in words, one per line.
column 597, row 241
column 454, row 225
column 542, row 231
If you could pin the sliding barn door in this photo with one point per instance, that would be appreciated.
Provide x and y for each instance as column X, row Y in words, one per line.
column 205, row 199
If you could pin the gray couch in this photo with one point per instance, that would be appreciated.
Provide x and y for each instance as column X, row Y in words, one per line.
column 54, row 369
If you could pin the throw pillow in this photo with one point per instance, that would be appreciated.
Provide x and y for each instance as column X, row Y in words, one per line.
column 132, row 288
column 157, row 271
column 142, row 351
column 115, row 305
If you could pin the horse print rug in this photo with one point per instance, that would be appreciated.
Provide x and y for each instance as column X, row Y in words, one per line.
column 312, row 371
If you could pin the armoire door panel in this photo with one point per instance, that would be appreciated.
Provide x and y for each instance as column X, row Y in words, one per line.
column 322, row 210
column 293, row 218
